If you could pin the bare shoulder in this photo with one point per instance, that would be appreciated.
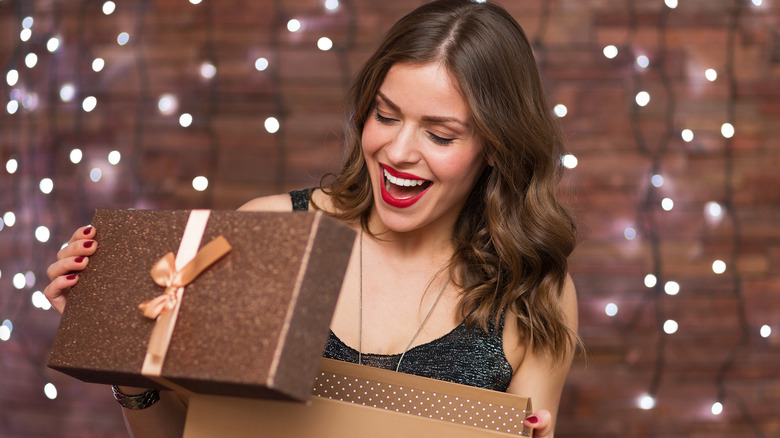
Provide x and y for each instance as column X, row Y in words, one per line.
column 275, row 203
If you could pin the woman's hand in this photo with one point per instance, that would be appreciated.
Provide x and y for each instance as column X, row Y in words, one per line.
column 70, row 260
column 540, row 423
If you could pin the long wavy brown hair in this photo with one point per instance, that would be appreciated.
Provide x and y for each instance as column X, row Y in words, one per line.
column 512, row 237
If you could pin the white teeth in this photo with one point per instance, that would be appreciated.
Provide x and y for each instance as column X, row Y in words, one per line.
column 402, row 181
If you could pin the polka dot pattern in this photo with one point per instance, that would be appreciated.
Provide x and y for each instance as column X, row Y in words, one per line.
column 424, row 403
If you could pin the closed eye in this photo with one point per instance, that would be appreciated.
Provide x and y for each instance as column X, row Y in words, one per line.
column 382, row 119
column 440, row 140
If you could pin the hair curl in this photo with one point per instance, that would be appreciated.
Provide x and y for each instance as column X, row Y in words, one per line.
column 512, row 237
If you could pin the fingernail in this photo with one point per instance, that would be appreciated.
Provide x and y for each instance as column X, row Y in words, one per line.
column 89, row 244
column 78, row 259
column 532, row 419
column 87, row 230
column 71, row 277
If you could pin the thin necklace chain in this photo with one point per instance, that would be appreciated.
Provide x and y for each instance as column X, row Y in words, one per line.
column 360, row 320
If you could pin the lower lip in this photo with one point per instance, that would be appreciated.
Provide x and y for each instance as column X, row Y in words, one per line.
column 398, row 203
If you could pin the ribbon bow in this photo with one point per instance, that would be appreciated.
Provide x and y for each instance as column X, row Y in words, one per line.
column 164, row 273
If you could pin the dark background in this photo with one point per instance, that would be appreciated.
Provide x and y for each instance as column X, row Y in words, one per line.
column 717, row 352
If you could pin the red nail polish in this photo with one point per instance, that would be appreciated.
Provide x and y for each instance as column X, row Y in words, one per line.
column 89, row 244
column 532, row 419
column 71, row 277
column 87, row 230
column 78, row 259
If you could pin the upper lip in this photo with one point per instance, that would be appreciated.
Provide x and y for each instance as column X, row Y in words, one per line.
column 399, row 174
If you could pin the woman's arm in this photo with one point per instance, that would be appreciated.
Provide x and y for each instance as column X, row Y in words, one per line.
column 540, row 377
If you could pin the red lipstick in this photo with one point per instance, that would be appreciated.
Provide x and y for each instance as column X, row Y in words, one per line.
column 396, row 202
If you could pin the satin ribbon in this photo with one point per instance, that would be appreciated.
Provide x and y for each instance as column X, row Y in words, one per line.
column 164, row 273
column 174, row 273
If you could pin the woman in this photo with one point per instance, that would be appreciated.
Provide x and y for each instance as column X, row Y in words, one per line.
column 452, row 161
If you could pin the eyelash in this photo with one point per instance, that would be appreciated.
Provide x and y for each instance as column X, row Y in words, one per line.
column 435, row 138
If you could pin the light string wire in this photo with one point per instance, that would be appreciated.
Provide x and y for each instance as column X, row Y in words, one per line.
column 212, row 104
column 280, row 107
column 733, row 213
column 142, row 69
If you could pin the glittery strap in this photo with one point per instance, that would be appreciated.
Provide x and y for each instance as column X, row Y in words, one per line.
column 300, row 199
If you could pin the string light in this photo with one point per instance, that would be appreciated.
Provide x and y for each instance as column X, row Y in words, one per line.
column 713, row 209
column 6, row 329
column 53, row 44
column 31, row 60
column 324, row 44
column 208, row 70
column 670, row 327
column 114, row 157
column 294, row 25
column 261, row 64
column 9, row 218
column 168, row 104
column 98, row 64
column 25, row 35
column 711, row 74
column 67, row 92
column 671, row 3
column 569, row 161
column 611, row 309
column 672, row 288
column 687, row 135
column 27, row 22
column 643, row 61
column 50, row 390
column 195, row 2
column 89, row 103
column 19, row 281
column 657, row 180
column 75, row 156
column 95, row 175
column 46, row 185
column 200, row 183
column 109, row 7
column 650, row 280
column 185, row 120
column 39, row 301
column 718, row 266
column 646, row 402
column 765, row 331
column 629, row 233
column 272, row 125
column 11, row 166
column 717, row 408
column 667, row 204
column 331, row 5
column 642, row 98
column 12, row 107
column 610, row 51
column 560, row 110
column 12, row 77
column 727, row 129
column 42, row 234
column 123, row 38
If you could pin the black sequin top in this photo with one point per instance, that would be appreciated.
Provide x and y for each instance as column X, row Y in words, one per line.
column 470, row 356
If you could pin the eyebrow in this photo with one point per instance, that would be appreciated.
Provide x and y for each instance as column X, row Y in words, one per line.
column 430, row 119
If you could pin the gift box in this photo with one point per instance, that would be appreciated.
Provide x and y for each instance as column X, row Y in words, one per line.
column 356, row 401
column 245, row 303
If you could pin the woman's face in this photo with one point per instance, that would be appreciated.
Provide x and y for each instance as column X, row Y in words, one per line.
column 421, row 150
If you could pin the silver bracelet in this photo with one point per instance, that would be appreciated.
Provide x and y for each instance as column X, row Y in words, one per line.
column 138, row 401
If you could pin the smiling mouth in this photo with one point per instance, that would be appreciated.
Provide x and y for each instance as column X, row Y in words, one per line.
column 404, row 188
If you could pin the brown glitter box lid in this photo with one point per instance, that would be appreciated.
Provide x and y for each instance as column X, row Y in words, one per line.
column 244, row 328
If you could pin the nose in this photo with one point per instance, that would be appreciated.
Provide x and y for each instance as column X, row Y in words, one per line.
column 403, row 147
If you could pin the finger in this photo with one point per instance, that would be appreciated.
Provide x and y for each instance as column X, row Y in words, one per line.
column 56, row 291
column 66, row 266
column 82, row 247
column 541, row 423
